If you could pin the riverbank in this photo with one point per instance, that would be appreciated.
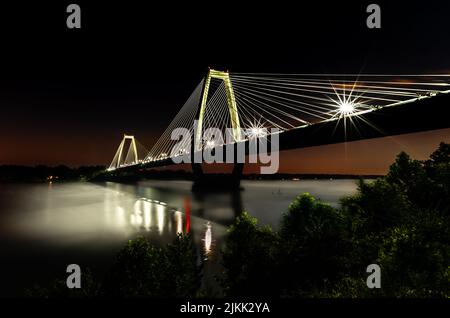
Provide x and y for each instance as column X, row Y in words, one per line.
column 41, row 173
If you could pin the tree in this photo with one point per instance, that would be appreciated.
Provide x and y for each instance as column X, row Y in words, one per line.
column 401, row 222
column 415, row 259
column 184, row 267
column 438, row 169
column 143, row 270
column 249, row 259
column 58, row 288
column 314, row 243
column 303, row 258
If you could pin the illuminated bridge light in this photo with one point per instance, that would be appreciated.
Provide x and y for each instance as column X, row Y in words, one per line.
column 256, row 132
column 346, row 108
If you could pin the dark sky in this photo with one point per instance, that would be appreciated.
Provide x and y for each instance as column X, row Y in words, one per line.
column 67, row 96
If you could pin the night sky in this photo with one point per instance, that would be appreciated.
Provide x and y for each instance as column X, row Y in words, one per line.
column 67, row 96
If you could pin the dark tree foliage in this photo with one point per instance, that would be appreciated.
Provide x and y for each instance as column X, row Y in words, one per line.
column 58, row 288
column 313, row 241
column 143, row 270
column 250, row 258
column 140, row 270
column 184, row 268
column 400, row 222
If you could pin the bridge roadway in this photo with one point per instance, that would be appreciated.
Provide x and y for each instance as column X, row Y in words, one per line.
column 423, row 114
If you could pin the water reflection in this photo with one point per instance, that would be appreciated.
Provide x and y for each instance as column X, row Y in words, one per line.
column 147, row 215
column 120, row 216
column 187, row 210
column 179, row 222
column 160, row 217
column 154, row 217
column 136, row 217
column 222, row 207
column 208, row 239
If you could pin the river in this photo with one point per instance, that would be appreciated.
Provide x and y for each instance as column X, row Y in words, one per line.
column 45, row 227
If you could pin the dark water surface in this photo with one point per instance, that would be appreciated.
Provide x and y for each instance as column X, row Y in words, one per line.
column 45, row 227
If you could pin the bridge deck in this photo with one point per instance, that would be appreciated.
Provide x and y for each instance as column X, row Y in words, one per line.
column 421, row 115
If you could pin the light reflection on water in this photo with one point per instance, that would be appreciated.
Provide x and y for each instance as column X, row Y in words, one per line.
column 179, row 222
column 153, row 216
column 208, row 239
column 150, row 215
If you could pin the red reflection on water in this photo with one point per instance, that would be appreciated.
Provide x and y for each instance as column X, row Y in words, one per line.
column 187, row 210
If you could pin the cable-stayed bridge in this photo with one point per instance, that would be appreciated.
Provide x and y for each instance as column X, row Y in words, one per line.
column 304, row 109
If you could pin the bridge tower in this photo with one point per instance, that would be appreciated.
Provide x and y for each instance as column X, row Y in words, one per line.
column 202, row 180
column 232, row 107
column 131, row 156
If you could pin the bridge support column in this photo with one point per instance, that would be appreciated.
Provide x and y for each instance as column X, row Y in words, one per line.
column 211, row 182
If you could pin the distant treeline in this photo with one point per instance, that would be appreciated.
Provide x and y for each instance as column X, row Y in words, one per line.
column 187, row 175
column 14, row 173
column 41, row 173
column 290, row 176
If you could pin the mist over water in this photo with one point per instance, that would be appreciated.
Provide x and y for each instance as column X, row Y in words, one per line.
column 45, row 227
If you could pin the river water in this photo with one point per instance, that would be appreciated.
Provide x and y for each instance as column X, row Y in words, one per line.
column 45, row 227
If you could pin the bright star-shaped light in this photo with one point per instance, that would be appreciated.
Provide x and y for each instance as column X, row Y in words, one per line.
column 346, row 108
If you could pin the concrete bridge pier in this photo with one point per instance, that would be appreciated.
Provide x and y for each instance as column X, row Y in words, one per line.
column 212, row 182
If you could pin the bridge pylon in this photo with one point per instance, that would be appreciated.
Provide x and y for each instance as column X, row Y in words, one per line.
column 203, row 181
column 125, row 155
column 232, row 107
